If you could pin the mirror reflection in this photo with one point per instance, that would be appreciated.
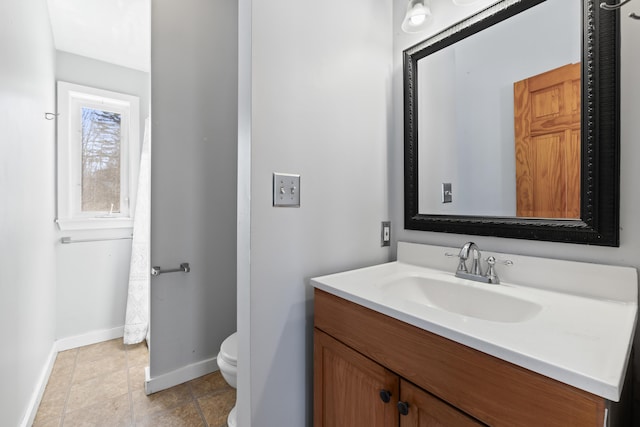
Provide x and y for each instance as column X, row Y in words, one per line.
column 499, row 118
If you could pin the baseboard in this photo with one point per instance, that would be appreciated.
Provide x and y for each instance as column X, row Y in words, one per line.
column 36, row 397
column 89, row 338
column 179, row 376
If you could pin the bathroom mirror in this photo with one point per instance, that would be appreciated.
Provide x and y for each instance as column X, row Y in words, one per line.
column 463, row 112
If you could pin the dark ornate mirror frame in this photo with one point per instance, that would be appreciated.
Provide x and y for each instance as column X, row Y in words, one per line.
column 600, row 145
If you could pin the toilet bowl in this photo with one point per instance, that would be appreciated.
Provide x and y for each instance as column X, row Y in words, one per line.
column 227, row 362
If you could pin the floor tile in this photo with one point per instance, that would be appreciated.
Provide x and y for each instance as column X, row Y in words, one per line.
column 98, row 351
column 66, row 358
column 216, row 407
column 144, row 405
column 111, row 412
column 137, row 355
column 49, row 409
column 207, row 384
column 51, row 422
column 100, row 367
column 61, row 375
column 95, row 390
column 54, row 398
column 183, row 416
column 136, row 378
column 103, row 385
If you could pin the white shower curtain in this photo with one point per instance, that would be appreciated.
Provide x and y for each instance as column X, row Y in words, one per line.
column 136, row 324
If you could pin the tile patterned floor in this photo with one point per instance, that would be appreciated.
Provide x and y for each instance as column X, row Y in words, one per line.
column 103, row 385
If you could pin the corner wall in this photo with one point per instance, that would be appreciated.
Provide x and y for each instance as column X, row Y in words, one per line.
column 27, row 179
column 319, row 96
column 194, row 73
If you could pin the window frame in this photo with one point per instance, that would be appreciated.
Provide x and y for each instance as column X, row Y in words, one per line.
column 71, row 99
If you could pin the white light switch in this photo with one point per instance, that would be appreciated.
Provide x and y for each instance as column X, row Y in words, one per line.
column 286, row 190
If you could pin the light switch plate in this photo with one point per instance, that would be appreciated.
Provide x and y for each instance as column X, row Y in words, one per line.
column 286, row 190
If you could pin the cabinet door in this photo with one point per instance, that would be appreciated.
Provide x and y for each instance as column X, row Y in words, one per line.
column 347, row 387
column 425, row 410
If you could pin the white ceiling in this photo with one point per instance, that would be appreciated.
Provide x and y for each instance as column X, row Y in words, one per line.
column 115, row 31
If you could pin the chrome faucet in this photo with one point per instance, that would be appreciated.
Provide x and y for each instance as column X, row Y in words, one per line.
column 476, row 267
column 464, row 255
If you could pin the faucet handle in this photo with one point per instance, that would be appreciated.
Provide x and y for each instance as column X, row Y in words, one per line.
column 492, row 276
column 462, row 265
column 502, row 261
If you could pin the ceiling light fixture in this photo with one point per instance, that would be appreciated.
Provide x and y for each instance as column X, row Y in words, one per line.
column 417, row 17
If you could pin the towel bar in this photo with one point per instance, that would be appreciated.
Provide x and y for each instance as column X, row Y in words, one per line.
column 157, row 270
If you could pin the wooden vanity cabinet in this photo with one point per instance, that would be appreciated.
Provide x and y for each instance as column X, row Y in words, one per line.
column 349, row 386
column 359, row 352
column 354, row 391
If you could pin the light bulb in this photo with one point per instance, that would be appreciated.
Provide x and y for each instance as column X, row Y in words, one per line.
column 418, row 19
column 418, row 13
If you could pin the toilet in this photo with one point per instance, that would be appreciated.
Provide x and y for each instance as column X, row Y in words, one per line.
column 227, row 362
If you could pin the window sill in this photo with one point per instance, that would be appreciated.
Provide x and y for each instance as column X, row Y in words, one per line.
column 93, row 223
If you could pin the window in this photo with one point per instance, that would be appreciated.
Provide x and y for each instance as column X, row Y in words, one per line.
column 98, row 157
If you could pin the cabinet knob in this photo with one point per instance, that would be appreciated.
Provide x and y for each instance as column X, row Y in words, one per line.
column 403, row 408
column 385, row 396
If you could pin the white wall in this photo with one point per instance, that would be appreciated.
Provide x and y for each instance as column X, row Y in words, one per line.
column 628, row 252
column 193, row 200
column 93, row 280
column 318, row 98
column 93, row 277
column 27, row 179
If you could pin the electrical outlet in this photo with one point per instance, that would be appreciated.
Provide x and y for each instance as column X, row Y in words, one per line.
column 447, row 194
column 386, row 233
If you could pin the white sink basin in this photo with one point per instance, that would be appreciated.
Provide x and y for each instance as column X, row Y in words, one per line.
column 461, row 298
column 570, row 321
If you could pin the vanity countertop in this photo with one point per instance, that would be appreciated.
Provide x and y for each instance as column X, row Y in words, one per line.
column 581, row 336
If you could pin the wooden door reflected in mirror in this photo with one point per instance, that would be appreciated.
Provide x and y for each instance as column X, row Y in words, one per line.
column 547, row 144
